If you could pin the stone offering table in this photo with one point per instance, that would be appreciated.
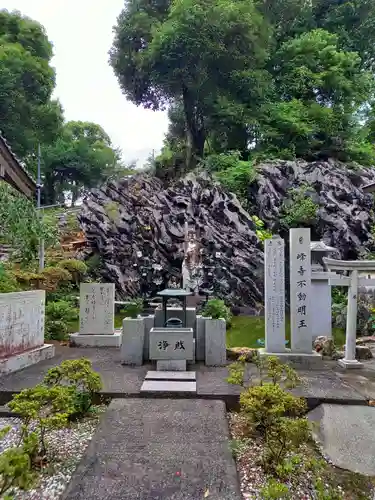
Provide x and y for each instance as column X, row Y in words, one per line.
column 22, row 330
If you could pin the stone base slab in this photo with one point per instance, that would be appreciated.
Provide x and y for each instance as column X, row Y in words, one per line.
column 28, row 358
column 173, row 376
column 79, row 340
column 299, row 359
column 172, row 365
column 168, row 387
column 350, row 364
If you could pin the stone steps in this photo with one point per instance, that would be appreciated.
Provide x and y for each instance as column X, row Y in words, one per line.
column 168, row 382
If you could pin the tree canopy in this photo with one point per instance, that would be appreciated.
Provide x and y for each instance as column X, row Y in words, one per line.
column 266, row 78
column 75, row 155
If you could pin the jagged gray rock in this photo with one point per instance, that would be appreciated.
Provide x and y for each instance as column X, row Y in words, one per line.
column 345, row 215
column 138, row 214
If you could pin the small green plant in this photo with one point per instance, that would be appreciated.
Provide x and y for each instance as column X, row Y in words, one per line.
column 78, row 374
column 299, row 209
column 75, row 267
column 260, row 231
column 15, row 471
column 49, row 407
column 58, row 316
column 324, row 492
column 133, row 309
column 8, row 282
column 238, row 446
column 273, row 490
column 216, row 309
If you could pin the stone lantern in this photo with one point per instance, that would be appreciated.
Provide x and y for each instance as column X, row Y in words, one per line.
column 321, row 303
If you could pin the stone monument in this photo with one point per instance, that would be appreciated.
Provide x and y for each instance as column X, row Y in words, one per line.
column 274, row 284
column 97, row 316
column 22, row 330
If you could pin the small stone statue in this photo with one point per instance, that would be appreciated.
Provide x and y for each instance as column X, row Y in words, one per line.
column 192, row 269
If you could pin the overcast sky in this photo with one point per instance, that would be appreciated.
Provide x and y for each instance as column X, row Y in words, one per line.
column 81, row 32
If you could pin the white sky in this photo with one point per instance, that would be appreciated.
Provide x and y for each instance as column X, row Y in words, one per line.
column 81, row 32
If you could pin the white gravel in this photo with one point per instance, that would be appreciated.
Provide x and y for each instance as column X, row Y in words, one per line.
column 65, row 449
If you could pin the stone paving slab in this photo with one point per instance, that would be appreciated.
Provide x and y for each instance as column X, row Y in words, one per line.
column 346, row 434
column 362, row 384
column 156, row 449
column 155, row 375
column 126, row 381
column 169, row 387
column 326, row 385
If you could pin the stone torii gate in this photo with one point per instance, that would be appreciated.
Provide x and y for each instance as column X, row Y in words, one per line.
column 353, row 281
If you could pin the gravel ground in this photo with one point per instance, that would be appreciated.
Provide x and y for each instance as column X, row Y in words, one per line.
column 65, row 447
column 252, row 477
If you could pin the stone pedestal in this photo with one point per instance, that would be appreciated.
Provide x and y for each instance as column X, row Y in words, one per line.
column 173, row 365
column 22, row 330
column 149, row 322
column 215, row 342
column 200, row 340
column 133, row 334
column 299, row 360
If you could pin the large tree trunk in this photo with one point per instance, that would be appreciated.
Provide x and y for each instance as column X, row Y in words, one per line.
column 195, row 132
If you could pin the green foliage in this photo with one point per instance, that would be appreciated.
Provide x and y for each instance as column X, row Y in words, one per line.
column 80, row 158
column 15, row 471
column 79, row 375
column 233, row 173
column 77, row 269
column 270, row 369
column 299, row 210
column 49, row 407
column 8, row 282
column 21, row 226
column 216, row 309
column 221, row 44
column 264, row 405
column 326, row 493
column 133, row 309
column 27, row 113
column 260, row 231
column 57, row 318
column 273, row 490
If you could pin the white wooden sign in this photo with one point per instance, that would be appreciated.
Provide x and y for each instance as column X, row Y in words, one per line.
column 300, row 290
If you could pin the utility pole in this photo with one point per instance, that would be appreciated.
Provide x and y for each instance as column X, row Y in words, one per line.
column 39, row 193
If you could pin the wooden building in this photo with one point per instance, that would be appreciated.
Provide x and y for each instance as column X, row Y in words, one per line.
column 12, row 172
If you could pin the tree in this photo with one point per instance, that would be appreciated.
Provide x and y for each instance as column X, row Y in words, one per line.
column 200, row 53
column 319, row 88
column 80, row 158
column 27, row 113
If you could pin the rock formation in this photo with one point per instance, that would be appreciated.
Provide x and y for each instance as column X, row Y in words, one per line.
column 137, row 226
column 345, row 217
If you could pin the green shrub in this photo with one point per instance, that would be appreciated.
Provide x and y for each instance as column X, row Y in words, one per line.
column 58, row 316
column 299, row 209
column 75, row 267
column 216, row 309
column 264, row 404
column 15, row 471
column 133, row 309
column 260, row 231
column 77, row 373
column 273, row 490
column 49, row 407
column 8, row 282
